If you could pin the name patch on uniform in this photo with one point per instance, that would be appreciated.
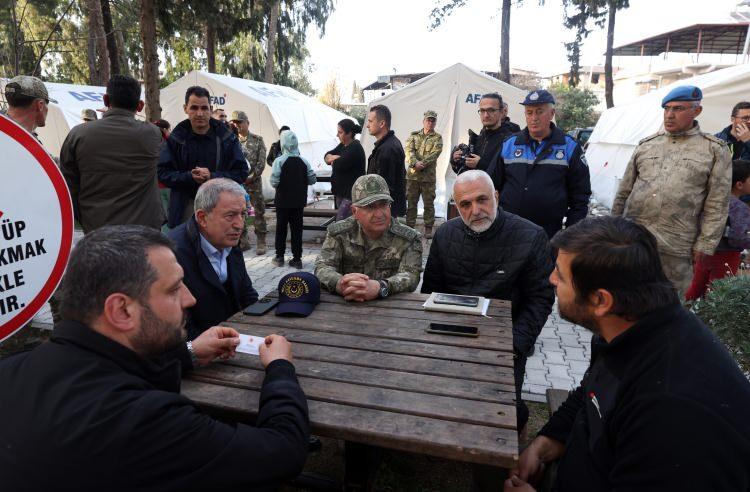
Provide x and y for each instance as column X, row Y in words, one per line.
column 559, row 154
column 518, row 152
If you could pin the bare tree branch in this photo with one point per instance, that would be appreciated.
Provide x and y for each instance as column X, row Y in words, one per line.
column 52, row 31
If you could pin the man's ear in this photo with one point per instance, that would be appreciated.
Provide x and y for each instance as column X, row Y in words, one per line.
column 122, row 312
column 140, row 106
column 200, row 218
column 105, row 99
column 497, row 197
column 602, row 302
column 698, row 111
column 184, row 108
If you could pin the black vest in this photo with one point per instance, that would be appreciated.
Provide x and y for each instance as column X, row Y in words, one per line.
column 292, row 189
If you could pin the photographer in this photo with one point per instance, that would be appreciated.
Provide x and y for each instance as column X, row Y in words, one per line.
column 484, row 153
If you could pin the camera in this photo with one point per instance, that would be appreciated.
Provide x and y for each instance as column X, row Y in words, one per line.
column 467, row 150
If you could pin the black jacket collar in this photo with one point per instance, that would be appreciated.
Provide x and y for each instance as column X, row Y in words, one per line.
column 645, row 328
column 184, row 130
column 388, row 135
column 162, row 373
column 556, row 137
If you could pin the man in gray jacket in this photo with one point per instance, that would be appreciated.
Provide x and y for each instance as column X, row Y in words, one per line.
column 110, row 164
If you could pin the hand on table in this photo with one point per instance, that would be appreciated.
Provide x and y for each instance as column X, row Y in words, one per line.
column 515, row 484
column 216, row 342
column 357, row 287
column 275, row 347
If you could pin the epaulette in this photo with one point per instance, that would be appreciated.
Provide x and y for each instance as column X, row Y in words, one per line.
column 341, row 226
column 650, row 137
column 415, row 132
column 404, row 231
column 253, row 135
column 714, row 138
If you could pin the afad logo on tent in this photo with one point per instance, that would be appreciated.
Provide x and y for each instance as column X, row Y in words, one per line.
column 218, row 100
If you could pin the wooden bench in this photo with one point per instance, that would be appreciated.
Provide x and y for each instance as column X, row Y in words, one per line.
column 555, row 398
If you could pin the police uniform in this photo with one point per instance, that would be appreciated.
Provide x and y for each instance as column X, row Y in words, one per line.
column 254, row 150
column 677, row 185
column 425, row 148
column 544, row 182
column 395, row 257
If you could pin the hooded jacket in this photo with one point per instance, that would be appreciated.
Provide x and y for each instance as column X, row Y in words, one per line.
column 291, row 174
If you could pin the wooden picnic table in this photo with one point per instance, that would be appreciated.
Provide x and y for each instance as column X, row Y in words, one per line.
column 373, row 375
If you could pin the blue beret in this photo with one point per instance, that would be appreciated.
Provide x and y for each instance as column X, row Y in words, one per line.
column 538, row 97
column 683, row 93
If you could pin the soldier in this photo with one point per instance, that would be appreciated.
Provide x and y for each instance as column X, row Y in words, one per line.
column 677, row 186
column 423, row 147
column 254, row 150
column 370, row 255
column 28, row 102
column 88, row 115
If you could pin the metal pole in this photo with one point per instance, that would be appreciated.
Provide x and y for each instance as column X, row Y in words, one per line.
column 746, row 46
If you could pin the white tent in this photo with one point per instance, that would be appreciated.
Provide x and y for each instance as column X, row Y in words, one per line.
column 268, row 107
column 66, row 113
column 619, row 129
column 454, row 94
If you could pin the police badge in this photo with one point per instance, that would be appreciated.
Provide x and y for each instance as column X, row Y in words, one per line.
column 518, row 152
column 559, row 154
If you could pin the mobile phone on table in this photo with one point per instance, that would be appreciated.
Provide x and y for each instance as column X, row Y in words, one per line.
column 456, row 330
column 456, row 300
column 261, row 307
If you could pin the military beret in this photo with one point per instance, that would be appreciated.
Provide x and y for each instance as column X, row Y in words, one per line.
column 538, row 97
column 683, row 93
column 430, row 114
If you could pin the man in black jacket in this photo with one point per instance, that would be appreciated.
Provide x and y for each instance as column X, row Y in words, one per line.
column 208, row 251
column 489, row 252
column 488, row 144
column 388, row 158
column 662, row 406
column 98, row 407
column 198, row 149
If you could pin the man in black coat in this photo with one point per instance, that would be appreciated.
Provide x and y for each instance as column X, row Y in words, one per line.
column 198, row 149
column 208, row 252
column 98, row 406
column 388, row 158
column 489, row 252
column 487, row 147
column 662, row 406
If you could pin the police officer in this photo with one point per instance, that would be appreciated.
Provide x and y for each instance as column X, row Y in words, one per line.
column 677, row 185
column 88, row 115
column 370, row 255
column 254, row 150
column 546, row 177
column 423, row 147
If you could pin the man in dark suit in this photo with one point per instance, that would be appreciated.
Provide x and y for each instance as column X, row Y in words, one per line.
column 208, row 251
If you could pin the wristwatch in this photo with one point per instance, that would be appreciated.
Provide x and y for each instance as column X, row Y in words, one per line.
column 193, row 358
column 384, row 290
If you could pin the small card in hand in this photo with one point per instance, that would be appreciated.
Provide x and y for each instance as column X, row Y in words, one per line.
column 250, row 344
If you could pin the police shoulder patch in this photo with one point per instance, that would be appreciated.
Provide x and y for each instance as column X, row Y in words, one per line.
column 404, row 231
column 341, row 226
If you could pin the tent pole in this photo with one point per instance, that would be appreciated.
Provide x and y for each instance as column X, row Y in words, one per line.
column 746, row 46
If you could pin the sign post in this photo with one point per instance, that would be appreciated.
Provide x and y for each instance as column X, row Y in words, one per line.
column 36, row 227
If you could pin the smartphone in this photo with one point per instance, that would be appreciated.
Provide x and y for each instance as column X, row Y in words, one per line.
column 457, row 330
column 261, row 307
column 456, row 300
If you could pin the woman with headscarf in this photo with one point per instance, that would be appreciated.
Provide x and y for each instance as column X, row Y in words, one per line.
column 291, row 175
column 348, row 163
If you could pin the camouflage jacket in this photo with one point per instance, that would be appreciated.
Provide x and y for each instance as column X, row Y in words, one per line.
column 424, row 148
column 396, row 256
column 254, row 150
column 677, row 186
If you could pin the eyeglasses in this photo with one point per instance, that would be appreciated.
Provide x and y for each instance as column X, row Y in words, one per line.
column 487, row 110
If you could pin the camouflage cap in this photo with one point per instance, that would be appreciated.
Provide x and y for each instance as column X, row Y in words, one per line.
column 26, row 85
column 368, row 189
column 88, row 115
column 430, row 114
column 238, row 116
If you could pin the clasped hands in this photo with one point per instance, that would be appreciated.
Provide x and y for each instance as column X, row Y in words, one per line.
column 357, row 287
column 200, row 174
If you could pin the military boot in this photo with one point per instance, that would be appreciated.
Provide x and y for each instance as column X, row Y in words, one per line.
column 428, row 232
column 260, row 247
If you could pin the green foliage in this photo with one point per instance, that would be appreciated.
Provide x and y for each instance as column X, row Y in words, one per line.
column 575, row 107
column 726, row 310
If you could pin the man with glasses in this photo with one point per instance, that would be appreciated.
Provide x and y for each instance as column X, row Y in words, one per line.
column 545, row 175
column 488, row 144
column 737, row 135
column 677, row 185
column 28, row 102
column 370, row 255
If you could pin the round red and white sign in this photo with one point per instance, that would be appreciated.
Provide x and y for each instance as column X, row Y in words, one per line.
column 36, row 227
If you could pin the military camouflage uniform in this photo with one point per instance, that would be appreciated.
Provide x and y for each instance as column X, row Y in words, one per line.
column 254, row 150
column 425, row 148
column 677, row 186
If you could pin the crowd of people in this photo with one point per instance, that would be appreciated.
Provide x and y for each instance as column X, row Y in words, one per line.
column 662, row 407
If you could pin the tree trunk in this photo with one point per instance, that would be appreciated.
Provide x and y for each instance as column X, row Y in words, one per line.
column 505, row 43
column 150, row 59
column 124, row 65
column 211, row 47
column 97, row 45
column 112, row 48
column 609, row 84
column 271, row 47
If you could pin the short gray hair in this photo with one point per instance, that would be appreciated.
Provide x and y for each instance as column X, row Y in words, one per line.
column 473, row 175
column 209, row 192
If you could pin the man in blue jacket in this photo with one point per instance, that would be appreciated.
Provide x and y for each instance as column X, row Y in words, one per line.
column 737, row 134
column 198, row 149
column 208, row 252
column 545, row 178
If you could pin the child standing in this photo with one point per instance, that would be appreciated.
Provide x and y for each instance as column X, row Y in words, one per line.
column 291, row 176
column 726, row 259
